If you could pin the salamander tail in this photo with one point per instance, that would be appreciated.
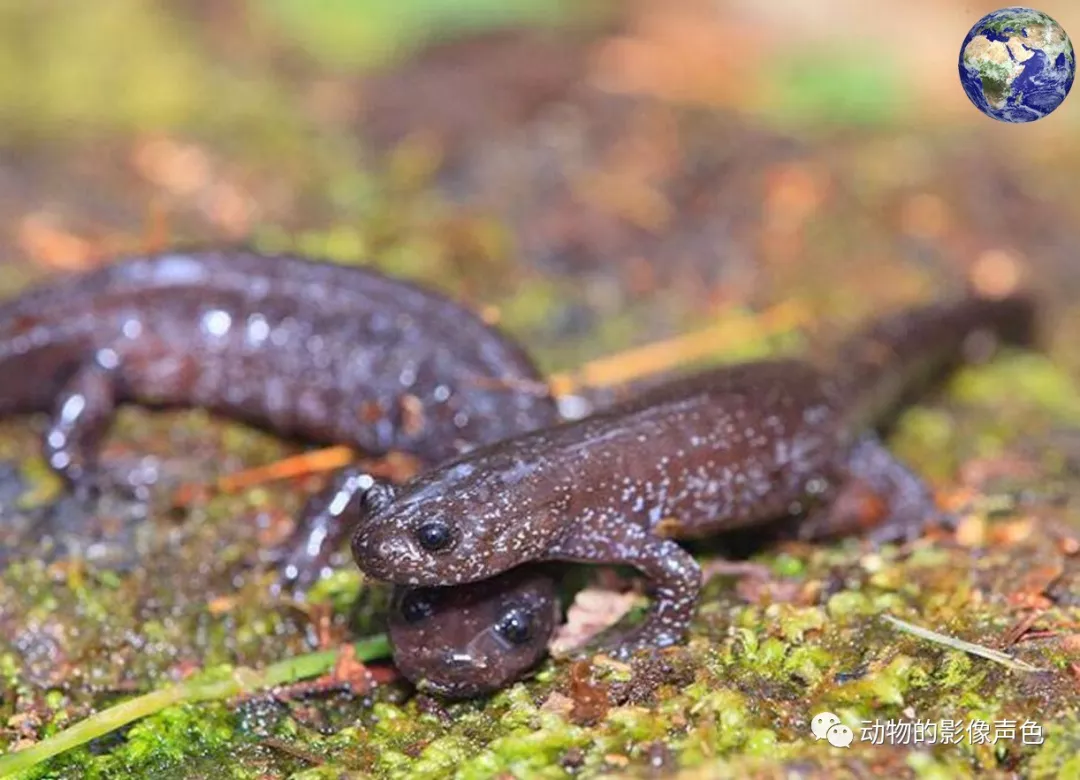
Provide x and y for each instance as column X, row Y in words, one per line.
column 897, row 355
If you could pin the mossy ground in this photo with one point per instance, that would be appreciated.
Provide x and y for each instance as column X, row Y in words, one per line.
column 592, row 222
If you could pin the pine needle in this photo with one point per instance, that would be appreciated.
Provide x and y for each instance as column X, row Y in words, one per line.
column 960, row 644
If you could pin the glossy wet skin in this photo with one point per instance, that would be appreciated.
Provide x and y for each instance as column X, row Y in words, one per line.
column 505, row 504
column 328, row 353
column 468, row 640
column 324, row 352
column 723, row 449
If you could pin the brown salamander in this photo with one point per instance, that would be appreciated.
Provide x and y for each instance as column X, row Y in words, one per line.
column 329, row 353
column 466, row 640
column 726, row 448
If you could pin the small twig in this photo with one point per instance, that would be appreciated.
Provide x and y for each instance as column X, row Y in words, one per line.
column 960, row 644
column 313, row 462
column 671, row 353
column 242, row 680
column 1014, row 634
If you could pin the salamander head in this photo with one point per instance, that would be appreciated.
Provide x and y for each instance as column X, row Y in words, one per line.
column 455, row 524
column 470, row 639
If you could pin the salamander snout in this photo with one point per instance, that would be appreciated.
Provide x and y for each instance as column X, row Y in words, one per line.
column 422, row 556
column 388, row 557
column 417, row 550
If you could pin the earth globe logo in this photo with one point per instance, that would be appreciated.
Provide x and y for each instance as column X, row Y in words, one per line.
column 1017, row 65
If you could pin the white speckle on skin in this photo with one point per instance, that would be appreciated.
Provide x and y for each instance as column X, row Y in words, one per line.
column 107, row 358
column 258, row 329
column 73, row 407
column 216, row 322
column 178, row 270
column 132, row 328
column 282, row 334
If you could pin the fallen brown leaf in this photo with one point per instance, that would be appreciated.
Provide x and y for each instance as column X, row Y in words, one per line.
column 593, row 610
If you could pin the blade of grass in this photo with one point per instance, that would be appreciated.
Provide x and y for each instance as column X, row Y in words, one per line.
column 242, row 681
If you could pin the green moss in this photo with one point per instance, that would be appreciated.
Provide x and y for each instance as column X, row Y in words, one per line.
column 530, row 308
column 795, row 622
column 524, row 749
column 636, row 724
column 347, row 34
column 848, row 604
column 927, row 766
column 885, row 688
column 174, row 734
column 787, row 565
column 829, row 85
column 955, row 671
column 1019, row 380
column 1059, row 755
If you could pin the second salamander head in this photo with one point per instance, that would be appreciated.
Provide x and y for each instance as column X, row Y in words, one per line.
column 467, row 520
column 470, row 639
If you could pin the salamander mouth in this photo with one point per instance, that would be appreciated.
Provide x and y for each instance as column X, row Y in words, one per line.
column 464, row 675
column 458, row 690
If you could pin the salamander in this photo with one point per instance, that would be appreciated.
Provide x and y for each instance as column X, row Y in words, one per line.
column 730, row 447
column 325, row 352
column 466, row 640
column 460, row 641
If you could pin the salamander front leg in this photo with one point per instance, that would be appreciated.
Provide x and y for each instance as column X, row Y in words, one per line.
column 877, row 495
column 325, row 521
column 83, row 412
column 674, row 584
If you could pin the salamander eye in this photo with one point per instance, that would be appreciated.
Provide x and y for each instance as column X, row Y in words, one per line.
column 435, row 535
column 414, row 608
column 515, row 626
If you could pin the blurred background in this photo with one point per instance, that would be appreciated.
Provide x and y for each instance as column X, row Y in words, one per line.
column 602, row 172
